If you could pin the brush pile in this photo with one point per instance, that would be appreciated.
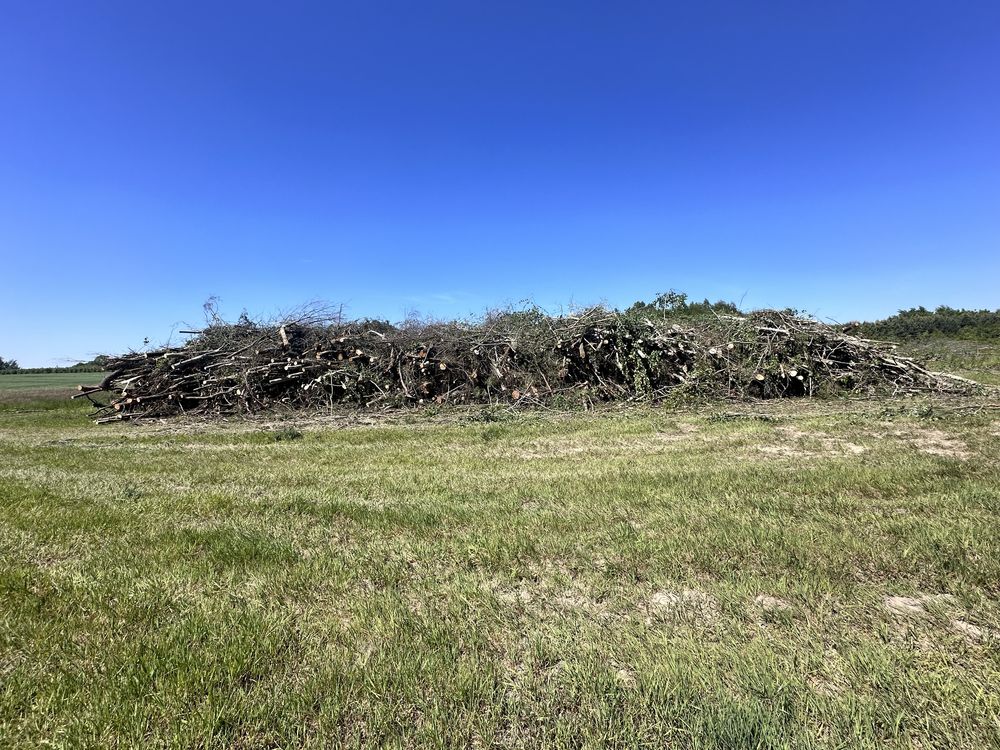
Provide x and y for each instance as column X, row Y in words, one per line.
column 525, row 357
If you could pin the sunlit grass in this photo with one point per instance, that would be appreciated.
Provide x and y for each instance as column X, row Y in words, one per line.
column 579, row 581
column 61, row 381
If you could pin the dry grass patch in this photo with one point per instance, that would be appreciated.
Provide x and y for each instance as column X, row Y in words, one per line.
column 422, row 586
column 684, row 604
column 798, row 443
column 561, row 446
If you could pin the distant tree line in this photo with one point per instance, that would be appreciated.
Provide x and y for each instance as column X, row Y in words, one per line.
column 10, row 367
column 942, row 322
column 917, row 322
column 674, row 304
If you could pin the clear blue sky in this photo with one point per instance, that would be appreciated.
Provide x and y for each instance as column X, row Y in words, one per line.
column 837, row 157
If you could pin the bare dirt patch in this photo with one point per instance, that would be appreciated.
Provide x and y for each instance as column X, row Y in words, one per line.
column 927, row 440
column 521, row 597
column 578, row 602
column 908, row 606
column 547, row 597
column 786, row 451
column 913, row 614
column 972, row 632
column 797, row 443
column 686, row 603
column 580, row 445
column 769, row 603
column 904, row 605
column 938, row 443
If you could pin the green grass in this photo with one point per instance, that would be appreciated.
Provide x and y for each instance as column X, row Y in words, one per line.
column 977, row 360
column 580, row 581
column 61, row 381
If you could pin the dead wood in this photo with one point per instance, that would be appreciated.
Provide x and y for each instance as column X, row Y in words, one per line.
column 512, row 356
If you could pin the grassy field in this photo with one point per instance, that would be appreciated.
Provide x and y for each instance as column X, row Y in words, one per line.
column 809, row 575
column 51, row 381
column 977, row 360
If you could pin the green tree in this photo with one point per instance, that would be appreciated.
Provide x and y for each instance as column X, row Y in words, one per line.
column 674, row 304
column 943, row 321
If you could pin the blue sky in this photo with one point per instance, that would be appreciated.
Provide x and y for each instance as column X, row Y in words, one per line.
column 841, row 158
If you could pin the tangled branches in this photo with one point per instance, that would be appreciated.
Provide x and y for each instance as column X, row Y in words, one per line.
column 248, row 367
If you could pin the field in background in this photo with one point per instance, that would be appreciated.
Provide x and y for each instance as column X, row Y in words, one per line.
column 788, row 574
column 977, row 360
column 56, row 382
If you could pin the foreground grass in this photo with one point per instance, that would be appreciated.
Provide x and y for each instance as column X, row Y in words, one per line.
column 574, row 582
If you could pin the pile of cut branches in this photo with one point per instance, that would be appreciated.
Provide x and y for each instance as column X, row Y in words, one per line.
column 525, row 357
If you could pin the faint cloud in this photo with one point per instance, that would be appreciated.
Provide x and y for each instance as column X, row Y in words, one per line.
column 438, row 298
